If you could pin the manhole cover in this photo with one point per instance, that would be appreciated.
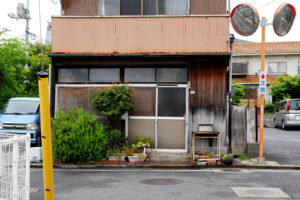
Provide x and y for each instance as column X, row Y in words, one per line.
column 33, row 190
column 260, row 192
column 161, row 181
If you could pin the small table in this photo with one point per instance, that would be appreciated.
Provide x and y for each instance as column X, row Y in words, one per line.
column 206, row 135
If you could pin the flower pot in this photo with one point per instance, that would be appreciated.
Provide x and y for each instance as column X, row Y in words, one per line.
column 137, row 157
column 114, row 157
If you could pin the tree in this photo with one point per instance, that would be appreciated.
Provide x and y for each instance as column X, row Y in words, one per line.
column 13, row 58
column 239, row 92
column 286, row 87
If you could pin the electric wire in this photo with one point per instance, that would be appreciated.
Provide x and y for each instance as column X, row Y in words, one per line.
column 266, row 4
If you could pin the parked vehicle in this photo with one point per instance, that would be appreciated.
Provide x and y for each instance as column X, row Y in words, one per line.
column 21, row 115
column 287, row 113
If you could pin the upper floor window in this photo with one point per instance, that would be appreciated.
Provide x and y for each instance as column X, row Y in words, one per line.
column 239, row 68
column 277, row 67
column 299, row 67
column 143, row 7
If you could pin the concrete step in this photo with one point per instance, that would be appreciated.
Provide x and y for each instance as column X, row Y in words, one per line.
column 162, row 156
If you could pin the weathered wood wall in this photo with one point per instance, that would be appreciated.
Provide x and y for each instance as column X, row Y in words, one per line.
column 208, row 105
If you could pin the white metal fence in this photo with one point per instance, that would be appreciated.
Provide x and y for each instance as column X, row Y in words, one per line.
column 14, row 167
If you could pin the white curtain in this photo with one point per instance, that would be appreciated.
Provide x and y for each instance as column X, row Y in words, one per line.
column 176, row 7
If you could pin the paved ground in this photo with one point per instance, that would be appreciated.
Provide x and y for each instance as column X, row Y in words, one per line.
column 282, row 146
column 188, row 184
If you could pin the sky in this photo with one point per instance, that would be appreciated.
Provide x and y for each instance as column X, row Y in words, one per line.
column 265, row 8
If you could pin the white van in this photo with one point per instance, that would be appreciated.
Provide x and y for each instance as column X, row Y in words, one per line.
column 287, row 113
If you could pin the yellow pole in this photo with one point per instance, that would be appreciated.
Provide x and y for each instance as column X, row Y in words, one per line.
column 261, row 130
column 46, row 136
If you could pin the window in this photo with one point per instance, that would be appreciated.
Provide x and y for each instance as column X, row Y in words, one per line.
column 73, row 75
column 131, row 7
column 176, row 7
column 299, row 67
column 154, row 7
column 239, row 68
column 109, row 7
column 143, row 7
column 104, row 75
column 169, row 75
column 277, row 67
column 171, row 102
column 139, row 75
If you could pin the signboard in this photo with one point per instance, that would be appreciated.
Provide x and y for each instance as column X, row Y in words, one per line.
column 262, row 83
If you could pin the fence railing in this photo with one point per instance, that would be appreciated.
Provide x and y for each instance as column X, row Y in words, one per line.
column 14, row 167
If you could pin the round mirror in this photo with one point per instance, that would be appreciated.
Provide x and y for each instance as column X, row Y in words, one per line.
column 244, row 19
column 283, row 19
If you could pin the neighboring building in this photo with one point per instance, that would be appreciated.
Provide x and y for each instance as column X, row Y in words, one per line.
column 281, row 57
column 173, row 53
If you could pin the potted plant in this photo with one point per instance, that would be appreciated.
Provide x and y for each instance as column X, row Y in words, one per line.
column 114, row 154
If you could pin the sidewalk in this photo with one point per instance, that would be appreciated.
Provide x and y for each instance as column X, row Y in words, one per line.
column 238, row 163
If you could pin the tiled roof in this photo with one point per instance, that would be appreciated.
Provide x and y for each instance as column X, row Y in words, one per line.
column 271, row 48
column 254, row 79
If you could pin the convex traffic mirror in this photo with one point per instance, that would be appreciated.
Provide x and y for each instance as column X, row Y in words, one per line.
column 283, row 19
column 244, row 19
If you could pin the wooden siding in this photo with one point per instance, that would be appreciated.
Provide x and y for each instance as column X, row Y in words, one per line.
column 208, row 79
column 208, row 7
column 80, row 7
column 140, row 35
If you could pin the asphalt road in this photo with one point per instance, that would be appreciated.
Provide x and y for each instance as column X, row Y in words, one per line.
column 282, row 146
column 185, row 184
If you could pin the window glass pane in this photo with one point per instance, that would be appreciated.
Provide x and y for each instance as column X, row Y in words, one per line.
column 299, row 68
column 139, row 75
column 171, row 102
column 176, row 7
column 272, row 67
column 171, row 75
column 104, row 75
column 154, row 7
column 144, row 101
column 109, row 7
column 281, row 67
column 130, row 7
column 295, row 105
column 73, row 75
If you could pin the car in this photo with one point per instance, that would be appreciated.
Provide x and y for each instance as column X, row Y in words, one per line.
column 287, row 113
column 21, row 115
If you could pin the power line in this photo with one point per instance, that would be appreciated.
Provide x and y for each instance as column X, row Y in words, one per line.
column 266, row 4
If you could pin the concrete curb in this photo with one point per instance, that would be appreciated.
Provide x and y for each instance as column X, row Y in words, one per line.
column 71, row 166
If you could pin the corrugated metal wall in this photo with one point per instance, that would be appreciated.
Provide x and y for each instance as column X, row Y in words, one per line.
column 140, row 35
column 80, row 7
column 208, row 7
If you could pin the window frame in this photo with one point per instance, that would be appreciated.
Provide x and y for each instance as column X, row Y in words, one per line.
column 122, row 74
column 142, row 9
column 277, row 68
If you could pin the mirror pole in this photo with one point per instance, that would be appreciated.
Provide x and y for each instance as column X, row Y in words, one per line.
column 261, row 159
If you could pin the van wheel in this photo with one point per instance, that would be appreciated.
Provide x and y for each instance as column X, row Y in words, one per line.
column 283, row 126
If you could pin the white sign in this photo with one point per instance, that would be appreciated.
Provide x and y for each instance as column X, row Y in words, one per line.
column 262, row 83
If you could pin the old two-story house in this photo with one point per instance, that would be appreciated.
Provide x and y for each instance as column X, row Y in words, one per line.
column 173, row 53
column 281, row 57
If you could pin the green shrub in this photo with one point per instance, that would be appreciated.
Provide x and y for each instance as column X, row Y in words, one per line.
column 113, row 102
column 115, row 139
column 269, row 108
column 78, row 136
column 238, row 94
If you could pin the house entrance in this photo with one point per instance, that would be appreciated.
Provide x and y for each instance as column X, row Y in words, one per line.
column 161, row 113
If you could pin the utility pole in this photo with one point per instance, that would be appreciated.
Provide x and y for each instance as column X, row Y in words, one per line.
column 27, row 21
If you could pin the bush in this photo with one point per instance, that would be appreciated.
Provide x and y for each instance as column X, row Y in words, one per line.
column 269, row 108
column 238, row 94
column 113, row 102
column 78, row 136
column 116, row 140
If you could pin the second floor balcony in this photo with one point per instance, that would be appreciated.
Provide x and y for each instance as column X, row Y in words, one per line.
column 150, row 35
